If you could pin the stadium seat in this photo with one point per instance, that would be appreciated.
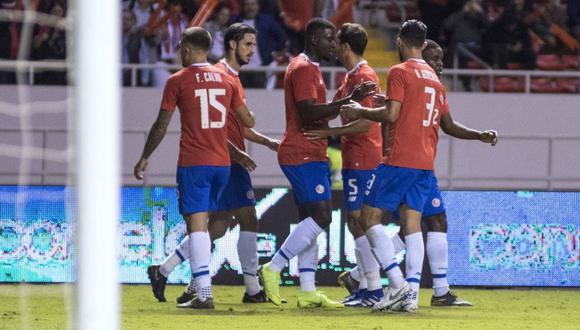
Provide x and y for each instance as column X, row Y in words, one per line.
column 550, row 62
column 503, row 84
column 568, row 85
column 544, row 85
column 393, row 12
column 474, row 65
column 571, row 61
column 514, row 66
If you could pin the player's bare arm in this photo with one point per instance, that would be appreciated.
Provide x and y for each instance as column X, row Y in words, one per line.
column 457, row 130
column 245, row 116
column 154, row 138
column 353, row 128
column 388, row 113
column 241, row 157
column 252, row 135
column 311, row 112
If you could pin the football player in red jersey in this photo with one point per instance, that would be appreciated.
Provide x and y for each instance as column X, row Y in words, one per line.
column 204, row 95
column 305, row 163
column 238, row 199
column 361, row 152
column 415, row 104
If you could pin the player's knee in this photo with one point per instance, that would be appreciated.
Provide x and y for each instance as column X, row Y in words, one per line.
column 217, row 229
column 248, row 220
column 321, row 212
column 354, row 226
column 369, row 217
column 323, row 220
column 437, row 223
column 217, row 232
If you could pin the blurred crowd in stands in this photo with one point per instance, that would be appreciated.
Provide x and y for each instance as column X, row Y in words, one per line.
column 502, row 34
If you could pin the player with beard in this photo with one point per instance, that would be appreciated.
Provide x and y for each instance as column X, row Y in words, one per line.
column 237, row 200
column 305, row 163
column 203, row 166
column 361, row 152
column 415, row 104
column 434, row 214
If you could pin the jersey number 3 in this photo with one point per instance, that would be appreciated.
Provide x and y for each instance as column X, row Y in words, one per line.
column 433, row 113
column 207, row 98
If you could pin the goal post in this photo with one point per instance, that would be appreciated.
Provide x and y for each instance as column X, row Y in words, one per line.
column 97, row 53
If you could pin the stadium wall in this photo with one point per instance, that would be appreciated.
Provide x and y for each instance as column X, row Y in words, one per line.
column 539, row 147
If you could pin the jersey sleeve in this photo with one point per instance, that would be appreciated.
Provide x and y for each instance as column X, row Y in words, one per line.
column 444, row 102
column 368, row 76
column 237, row 96
column 305, row 84
column 396, row 85
column 170, row 94
column 339, row 92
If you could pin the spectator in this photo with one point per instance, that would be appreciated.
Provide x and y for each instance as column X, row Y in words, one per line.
column 541, row 19
column 216, row 26
column 295, row 14
column 270, row 38
column 8, row 42
column 574, row 18
column 433, row 14
column 466, row 27
column 270, row 7
column 49, row 43
column 508, row 40
column 148, row 43
column 170, row 35
column 464, row 30
column 130, row 43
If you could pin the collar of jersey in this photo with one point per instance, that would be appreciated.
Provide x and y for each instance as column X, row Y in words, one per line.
column 309, row 60
column 417, row 60
column 229, row 67
column 357, row 66
column 201, row 64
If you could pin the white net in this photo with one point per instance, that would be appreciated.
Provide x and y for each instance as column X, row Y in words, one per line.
column 35, row 151
column 38, row 156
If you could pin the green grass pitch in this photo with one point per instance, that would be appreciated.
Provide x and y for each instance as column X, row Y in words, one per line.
column 49, row 307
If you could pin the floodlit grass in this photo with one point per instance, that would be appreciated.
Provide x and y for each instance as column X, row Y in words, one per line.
column 45, row 307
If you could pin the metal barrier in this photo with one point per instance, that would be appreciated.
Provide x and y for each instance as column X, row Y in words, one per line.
column 29, row 68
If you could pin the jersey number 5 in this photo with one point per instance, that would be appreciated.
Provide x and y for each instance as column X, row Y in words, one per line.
column 207, row 98
column 433, row 113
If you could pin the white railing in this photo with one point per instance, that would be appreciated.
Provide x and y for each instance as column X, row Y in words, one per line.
column 29, row 68
column 48, row 174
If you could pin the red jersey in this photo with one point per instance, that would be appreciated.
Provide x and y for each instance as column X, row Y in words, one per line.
column 412, row 138
column 302, row 81
column 204, row 94
column 234, row 125
column 361, row 151
column 298, row 12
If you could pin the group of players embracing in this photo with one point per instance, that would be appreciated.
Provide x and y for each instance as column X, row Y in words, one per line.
column 389, row 143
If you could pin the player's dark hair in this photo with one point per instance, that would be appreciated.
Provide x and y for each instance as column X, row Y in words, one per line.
column 431, row 44
column 413, row 33
column 196, row 37
column 236, row 33
column 355, row 36
column 315, row 25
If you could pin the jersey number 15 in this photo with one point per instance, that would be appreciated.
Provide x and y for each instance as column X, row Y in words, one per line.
column 433, row 113
column 207, row 98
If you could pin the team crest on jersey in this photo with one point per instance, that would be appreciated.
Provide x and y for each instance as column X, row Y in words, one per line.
column 250, row 194
column 436, row 202
column 320, row 189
